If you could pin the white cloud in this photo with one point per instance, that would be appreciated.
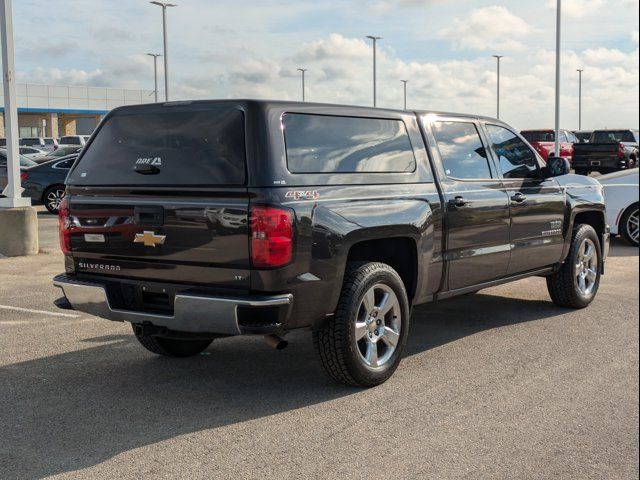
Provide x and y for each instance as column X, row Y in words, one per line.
column 634, row 37
column 577, row 8
column 486, row 28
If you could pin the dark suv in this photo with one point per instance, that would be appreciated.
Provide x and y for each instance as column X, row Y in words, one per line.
column 204, row 219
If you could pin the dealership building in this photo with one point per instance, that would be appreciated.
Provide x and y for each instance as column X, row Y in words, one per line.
column 58, row 110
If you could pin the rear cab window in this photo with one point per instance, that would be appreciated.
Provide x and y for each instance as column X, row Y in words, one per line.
column 613, row 136
column 190, row 146
column 341, row 144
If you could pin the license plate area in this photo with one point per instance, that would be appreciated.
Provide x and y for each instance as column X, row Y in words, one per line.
column 595, row 163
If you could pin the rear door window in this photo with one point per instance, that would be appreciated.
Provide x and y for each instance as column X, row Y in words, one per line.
column 463, row 155
column 337, row 144
column 185, row 146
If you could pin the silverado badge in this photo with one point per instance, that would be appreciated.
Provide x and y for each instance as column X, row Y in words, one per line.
column 149, row 239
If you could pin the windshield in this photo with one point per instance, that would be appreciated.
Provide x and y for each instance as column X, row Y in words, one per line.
column 166, row 146
column 63, row 151
column 539, row 136
column 613, row 136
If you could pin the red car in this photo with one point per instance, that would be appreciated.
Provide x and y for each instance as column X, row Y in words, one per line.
column 544, row 142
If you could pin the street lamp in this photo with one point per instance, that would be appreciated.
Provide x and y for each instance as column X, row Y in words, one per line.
column 498, row 57
column 155, row 73
column 558, row 39
column 164, row 42
column 404, row 82
column 375, row 39
column 580, row 70
column 302, row 70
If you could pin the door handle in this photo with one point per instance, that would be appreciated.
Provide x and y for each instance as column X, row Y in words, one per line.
column 458, row 202
column 518, row 197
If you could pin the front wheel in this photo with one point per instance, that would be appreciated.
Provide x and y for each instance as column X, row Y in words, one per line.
column 362, row 343
column 629, row 225
column 576, row 283
column 171, row 347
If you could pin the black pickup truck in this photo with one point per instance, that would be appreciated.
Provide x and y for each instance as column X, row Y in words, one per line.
column 606, row 151
column 205, row 219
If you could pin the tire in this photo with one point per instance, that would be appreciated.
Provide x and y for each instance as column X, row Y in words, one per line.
column 346, row 342
column 576, row 283
column 170, row 347
column 51, row 198
column 628, row 227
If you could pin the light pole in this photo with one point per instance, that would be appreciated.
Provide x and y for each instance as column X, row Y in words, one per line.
column 580, row 70
column 404, row 86
column 558, row 38
column 155, row 73
column 302, row 71
column 13, row 190
column 375, row 39
column 164, row 43
column 498, row 57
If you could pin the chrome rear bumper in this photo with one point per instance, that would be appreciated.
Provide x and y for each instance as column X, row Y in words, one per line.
column 192, row 313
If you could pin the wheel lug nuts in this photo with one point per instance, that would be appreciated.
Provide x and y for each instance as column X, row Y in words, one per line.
column 378, row 322
column 376, row 331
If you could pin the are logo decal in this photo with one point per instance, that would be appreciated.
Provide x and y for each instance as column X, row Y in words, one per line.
column 155, row 161
column 302, row 194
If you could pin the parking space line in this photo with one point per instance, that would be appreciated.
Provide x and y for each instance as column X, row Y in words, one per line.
column 30, row 310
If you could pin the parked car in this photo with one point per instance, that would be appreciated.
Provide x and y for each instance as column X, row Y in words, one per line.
column 73, row 140
column 607, row 151
column 621, row 199
column 544, row 142
column 61, row 151
column 583, row 136
column 45, row 143
column 44, row 183
column 343, row 218
column 25, row 163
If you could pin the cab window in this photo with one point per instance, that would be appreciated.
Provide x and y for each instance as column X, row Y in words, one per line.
column 463, row 155
column 516, row 159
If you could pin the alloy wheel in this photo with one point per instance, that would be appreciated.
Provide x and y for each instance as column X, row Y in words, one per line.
column 586, row 268
column 632, row 226
column 378, row 323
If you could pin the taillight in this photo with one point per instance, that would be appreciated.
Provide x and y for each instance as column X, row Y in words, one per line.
column 271, row 236
column 621, row 150
column 64, row 225
column 24, row 176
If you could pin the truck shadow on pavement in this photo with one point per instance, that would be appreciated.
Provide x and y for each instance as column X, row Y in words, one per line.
column 74, row 410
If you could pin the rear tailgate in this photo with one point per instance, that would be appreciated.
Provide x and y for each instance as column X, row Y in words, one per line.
column 160, row 194
column 593, row 154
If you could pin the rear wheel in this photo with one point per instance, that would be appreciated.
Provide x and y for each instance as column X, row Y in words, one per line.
column 171, row 347
column 576, row 283
column 52, row 197
column 362, row 343
column 629, row 225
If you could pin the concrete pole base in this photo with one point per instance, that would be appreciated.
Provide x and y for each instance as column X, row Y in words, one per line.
column 18, row 231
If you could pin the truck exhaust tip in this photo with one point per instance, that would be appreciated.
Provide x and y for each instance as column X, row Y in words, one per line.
column 275, row 341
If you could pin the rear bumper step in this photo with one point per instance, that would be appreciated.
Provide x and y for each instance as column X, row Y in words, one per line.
column 195, row 313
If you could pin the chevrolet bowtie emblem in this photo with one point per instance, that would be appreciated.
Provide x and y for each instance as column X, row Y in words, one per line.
column 149, row 239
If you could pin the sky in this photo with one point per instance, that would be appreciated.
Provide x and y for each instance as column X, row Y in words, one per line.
column 252, row 49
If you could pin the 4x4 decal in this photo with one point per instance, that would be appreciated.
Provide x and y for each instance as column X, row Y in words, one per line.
column 302, row 194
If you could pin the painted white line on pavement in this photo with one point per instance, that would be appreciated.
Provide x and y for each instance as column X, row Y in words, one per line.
column 30, row 310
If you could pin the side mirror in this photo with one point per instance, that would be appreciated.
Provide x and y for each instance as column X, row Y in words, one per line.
column 557, row 166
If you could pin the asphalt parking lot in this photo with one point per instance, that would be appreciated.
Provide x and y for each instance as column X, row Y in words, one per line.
column 500, row 384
